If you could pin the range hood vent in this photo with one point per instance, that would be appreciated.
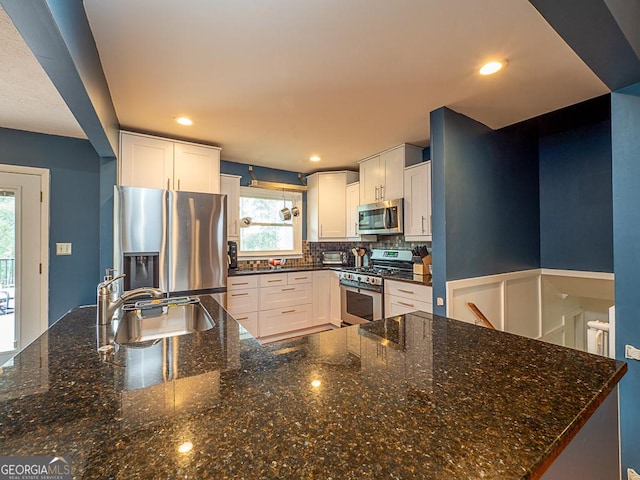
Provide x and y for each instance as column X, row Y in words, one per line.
column 283, row 187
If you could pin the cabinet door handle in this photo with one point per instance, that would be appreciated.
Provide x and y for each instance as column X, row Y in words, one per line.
column 242, row 318
column 240, row 283
column 300, row 278
column 239, row 294
column 376, row 192
column 355, row 227
column 321, row 230
column 288, row 311
column 274, row 281
column 168, row 187
column 178, row 184
column 406, row 291
column 288, row 289
column 381, row 192
column 422, row 223
column 406, row 304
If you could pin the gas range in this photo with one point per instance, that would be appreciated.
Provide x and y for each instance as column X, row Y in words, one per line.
column 362, row 289
column 385, row 263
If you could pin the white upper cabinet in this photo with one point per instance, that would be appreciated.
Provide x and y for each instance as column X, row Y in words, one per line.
column 370, row 180
column 417, row 202
column 153, row 162
column 326, row 205
column 145, row 161
column 196, row 168
column 230, row 186
column 381, row 175
column 352, row 200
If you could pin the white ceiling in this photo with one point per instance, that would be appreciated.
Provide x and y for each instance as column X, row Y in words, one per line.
column 28, row 99
column 273, row 82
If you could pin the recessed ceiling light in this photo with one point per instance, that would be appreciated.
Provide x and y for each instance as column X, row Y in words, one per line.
column 314, row 158
column 490, row 68
column 316, row 383
column 184, row 121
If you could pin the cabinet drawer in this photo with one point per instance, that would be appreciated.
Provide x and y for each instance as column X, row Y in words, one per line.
column 299, row 277
column 413, row 291
column 271, row 279
column 242, row 282
column 242, row 301
column 285, row 296
column 249, row 321
column 281, row 320
column 399, row 305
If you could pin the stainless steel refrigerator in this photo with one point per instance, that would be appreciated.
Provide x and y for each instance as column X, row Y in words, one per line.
column 173, row 240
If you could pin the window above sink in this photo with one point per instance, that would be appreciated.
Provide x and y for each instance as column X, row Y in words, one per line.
column 267, row 234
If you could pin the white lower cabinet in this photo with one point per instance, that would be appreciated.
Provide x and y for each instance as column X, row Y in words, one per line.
column 282, row 320
column 336, row 313
column 249, row 321
column 406, row 297
column 285, row 296
column 242, row 301
column 274, row 306
column 321, row 297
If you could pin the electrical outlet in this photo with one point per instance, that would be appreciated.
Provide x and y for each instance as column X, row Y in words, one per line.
column 632, row 474
column 440, row 302
column 63, row 249
column 632, row 352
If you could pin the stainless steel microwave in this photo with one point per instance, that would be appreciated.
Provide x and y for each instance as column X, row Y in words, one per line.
column 381, row 218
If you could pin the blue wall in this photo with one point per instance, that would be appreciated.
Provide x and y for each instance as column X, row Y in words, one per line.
column 625, row 136
column 576, row 223
column 491, row 206
column 74, row 211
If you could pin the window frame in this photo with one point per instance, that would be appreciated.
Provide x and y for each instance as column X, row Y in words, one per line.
column 296, row 222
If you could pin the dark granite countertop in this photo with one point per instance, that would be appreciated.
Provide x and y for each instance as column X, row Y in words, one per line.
column 416, row 396
column 409, row 277
column 303, row 268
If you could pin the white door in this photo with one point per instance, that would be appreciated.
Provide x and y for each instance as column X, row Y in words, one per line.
column 23, row 257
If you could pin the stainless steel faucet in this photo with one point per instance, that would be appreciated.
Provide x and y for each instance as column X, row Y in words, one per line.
column 107, row 306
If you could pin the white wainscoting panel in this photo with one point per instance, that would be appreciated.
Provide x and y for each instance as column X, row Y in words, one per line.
column 522, row 313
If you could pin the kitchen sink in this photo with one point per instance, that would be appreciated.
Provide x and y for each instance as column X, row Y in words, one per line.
column 151, row 322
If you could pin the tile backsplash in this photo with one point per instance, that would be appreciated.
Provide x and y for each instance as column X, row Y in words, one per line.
column 311, row 252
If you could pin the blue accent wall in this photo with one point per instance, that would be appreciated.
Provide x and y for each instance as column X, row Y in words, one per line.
column 268, row 175
column 74, row 211
column 108, row 178
column 625, row 141
column 438, row 211
column 485, row 196
column 576, row 211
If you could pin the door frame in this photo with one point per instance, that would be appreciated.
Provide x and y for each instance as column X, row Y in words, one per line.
column 45, row 178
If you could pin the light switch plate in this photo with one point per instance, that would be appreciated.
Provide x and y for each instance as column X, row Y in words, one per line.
column 63, row 249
